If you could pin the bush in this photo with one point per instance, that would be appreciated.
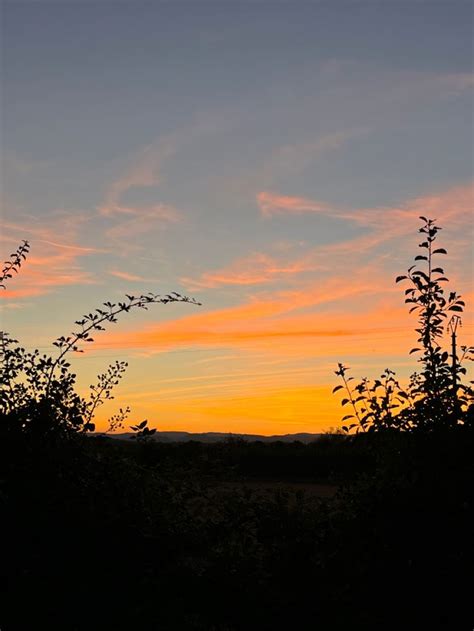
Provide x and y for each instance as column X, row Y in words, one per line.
column 38, row 397
column 436, row 397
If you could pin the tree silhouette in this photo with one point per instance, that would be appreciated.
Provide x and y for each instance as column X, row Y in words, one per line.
column 435, row 396
column 37, row 394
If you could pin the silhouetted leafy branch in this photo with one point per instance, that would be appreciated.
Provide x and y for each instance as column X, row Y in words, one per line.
column 14, row 263
column 116, row 421
column 102, row 391
column 95, row 322
column 142, row 431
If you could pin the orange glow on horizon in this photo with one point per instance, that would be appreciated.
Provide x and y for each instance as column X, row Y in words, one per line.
column 311, row 409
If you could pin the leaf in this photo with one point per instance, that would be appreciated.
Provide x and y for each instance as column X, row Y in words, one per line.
column 440, row 251
column 420, row 257
column 414, row 350
column 344, row 401
column 455, row 308
column 336, row 389
column 347, row 416
column 399, row 278
column 422, row 274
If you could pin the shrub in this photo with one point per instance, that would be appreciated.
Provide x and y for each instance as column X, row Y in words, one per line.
column 37, row 395
column 435, row 397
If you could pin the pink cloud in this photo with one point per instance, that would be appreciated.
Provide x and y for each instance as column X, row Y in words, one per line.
column 451, row 207
column 55, row 253
column 274, row 204
column 264, row 319
column 353, row 272
column 381, row 224
column 256, row 269
column 41, row 274
column 125, row 275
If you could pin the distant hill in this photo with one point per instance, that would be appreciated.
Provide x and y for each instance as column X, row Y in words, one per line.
column 216, row 437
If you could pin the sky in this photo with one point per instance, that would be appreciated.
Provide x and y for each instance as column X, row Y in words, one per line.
column 269, row 158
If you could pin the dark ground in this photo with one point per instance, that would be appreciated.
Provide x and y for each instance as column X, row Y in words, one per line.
column 361, row 533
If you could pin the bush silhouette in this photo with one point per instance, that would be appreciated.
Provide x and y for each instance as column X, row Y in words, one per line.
column 38, row 396
column 435, row 397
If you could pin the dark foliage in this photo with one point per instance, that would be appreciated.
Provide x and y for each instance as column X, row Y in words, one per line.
column 435, row 398
column 37, row 394
column 100, row 537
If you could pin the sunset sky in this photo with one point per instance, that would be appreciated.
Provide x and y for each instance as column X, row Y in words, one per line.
column 269, row 158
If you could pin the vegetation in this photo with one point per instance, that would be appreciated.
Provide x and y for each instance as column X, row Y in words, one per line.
column 435, row 397
column 38, row 391
column 110, row 534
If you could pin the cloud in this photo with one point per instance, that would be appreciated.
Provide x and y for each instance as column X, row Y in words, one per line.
column 132, row 221
column 387, row 90
column 263, row 320
column 141, row 221
column 309, row 313
column 41, row 274
column 256, row 269
column 452, row 207
column 145, row 166
column 55, row 253
column 274, row 204
column 130, row 277
column 294, row 158
column 125, row 275
column 144, row 171
column 380, row 224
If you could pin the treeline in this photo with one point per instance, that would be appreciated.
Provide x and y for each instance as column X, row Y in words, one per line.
column 332, row 457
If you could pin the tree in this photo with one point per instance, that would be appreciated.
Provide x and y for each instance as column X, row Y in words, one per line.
column 37, row 393
column 435, row 396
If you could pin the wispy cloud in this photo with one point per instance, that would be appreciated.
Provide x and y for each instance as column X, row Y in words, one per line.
column 131, row 221
column 256, row 269
column 141, row 221
column 379, row 224
column 125, row 275
column 274, row 204
column 453, row 206
column 55, row 254
column 41, row 274
column 130, row 277
column 144, row 170
column 296, row 157
column 310, row 312
column 264, row 320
